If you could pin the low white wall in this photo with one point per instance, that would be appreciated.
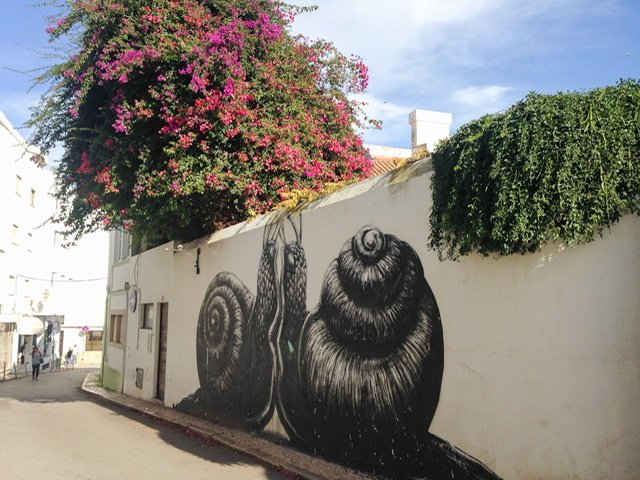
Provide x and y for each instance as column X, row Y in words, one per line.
column 542, row 369
column 541, row 356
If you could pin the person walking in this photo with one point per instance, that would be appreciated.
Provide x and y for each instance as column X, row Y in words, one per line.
column 71, row 357
column 74, row 356
column 67, row 358
column 36, row 361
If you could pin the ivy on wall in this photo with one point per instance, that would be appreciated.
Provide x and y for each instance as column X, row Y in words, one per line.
column 552, row 167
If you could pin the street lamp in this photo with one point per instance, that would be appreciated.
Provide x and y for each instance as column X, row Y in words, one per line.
column 195, row 256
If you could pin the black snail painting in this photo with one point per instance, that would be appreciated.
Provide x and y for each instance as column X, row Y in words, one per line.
column 355, row 379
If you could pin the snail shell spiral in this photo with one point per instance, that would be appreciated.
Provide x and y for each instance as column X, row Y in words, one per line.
column 235, row 356
column 222, row 325
column 371, row 353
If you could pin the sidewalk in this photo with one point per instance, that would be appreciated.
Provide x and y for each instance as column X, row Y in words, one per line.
column 22, row 370
column 280, row 457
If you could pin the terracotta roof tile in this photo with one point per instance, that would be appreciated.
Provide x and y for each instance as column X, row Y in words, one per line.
column 383, row 165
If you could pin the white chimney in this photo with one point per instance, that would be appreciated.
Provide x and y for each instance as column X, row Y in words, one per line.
column 427, row 128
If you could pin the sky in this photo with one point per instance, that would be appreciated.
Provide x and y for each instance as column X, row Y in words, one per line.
column 465, row 57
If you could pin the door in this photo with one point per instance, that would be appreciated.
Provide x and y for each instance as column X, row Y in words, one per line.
column 61, row 344
column 162, row 350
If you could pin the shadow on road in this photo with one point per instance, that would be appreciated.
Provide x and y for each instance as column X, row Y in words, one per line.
column 181, row 438
column 66, row 386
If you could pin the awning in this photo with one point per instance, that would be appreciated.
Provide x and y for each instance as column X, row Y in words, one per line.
column 29, row 326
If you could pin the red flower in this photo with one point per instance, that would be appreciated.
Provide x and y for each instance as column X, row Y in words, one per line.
column 85, row 167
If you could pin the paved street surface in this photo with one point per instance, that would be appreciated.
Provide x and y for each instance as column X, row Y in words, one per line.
column 51, row 429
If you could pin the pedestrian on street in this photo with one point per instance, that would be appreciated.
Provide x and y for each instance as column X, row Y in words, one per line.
column 36, row 360
column 68, row 357
column 74, row 356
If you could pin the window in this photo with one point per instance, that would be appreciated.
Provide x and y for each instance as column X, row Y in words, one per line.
column 116, row 329
column 122, row 244
column 18, row 185
column 8, row 327
column 32, row 198
column 147, row 315
column 94, row 341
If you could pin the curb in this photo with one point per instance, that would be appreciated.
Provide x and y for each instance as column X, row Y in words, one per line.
column 292, row 463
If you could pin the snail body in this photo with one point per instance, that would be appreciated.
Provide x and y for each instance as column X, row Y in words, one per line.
column 291, row 405
column 371, row 354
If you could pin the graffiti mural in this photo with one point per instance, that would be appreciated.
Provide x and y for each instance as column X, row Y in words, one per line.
column 235, row 347
column 356, row 379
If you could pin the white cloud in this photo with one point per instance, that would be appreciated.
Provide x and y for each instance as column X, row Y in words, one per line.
column 382, row 109
column 397, row 40
column 485, row 98
column 395, row 121
column 406, row 44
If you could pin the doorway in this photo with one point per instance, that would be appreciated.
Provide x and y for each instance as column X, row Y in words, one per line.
column 162, row 350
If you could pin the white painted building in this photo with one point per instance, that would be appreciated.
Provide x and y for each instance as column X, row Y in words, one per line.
column 48, row 295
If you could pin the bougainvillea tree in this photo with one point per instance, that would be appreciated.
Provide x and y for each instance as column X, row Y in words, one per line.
column 178, row 117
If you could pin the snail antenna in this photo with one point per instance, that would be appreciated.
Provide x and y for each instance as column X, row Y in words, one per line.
column 269, row 233
column 297, row 230
column 281, row 234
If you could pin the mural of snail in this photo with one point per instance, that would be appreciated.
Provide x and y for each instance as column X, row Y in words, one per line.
column 357, row 379
column 370, row 354
column 234, row 348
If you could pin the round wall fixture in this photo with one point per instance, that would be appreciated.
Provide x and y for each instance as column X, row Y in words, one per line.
column 133, row 299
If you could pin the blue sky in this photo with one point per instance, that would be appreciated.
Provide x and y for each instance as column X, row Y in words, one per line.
column 467, row 57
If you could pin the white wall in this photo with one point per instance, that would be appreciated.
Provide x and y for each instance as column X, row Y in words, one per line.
column 542, row 368
column 153, row 269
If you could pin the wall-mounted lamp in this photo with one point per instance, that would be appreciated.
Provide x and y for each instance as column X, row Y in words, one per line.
column 195, row 256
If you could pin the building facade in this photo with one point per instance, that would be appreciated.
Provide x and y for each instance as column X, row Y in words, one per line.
column 26, row 242
column 50, row 296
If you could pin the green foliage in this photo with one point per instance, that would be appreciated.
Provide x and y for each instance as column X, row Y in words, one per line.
column 552, row 167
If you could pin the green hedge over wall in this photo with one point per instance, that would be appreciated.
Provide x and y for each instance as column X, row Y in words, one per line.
column 552, row 167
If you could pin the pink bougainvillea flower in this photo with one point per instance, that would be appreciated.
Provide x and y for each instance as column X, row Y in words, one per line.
column 223, row 108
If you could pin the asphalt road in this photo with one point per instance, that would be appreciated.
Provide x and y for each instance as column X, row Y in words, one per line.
column 53, row 430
